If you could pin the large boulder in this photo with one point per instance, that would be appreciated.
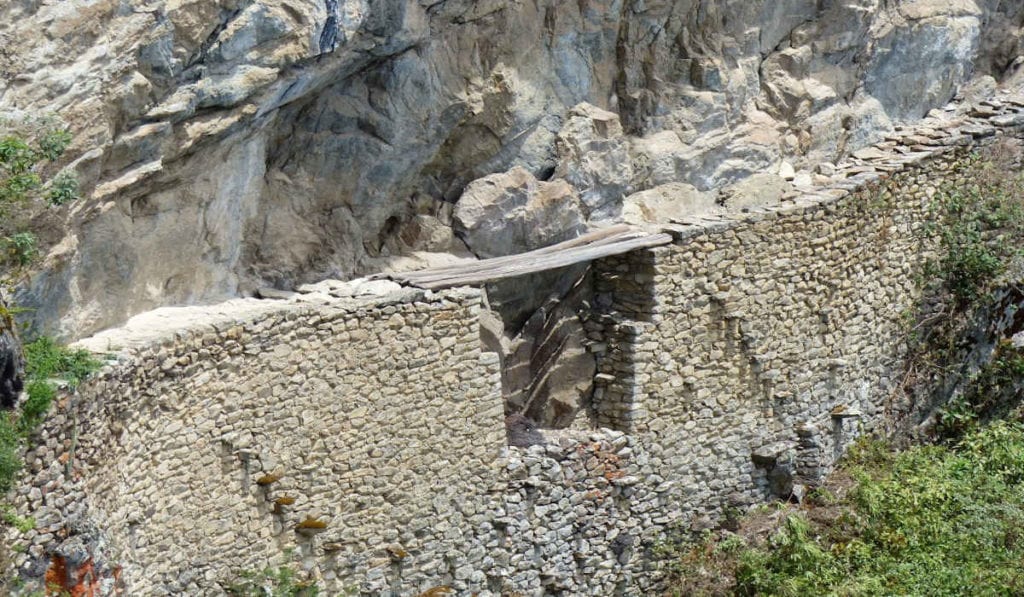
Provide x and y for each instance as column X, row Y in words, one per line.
column 661, row 158
column 668, row 203
column 513, row 212
column 756, row 191
column 424, row 232
column 594, row 157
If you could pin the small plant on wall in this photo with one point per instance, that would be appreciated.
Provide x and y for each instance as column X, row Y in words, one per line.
column 979, row 225
column 283, row 581
column 48, row 366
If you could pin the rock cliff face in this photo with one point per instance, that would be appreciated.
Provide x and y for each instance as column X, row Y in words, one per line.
column 225, row 144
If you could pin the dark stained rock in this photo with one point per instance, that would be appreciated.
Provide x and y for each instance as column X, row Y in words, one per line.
column 12, row 365
column 523, row 431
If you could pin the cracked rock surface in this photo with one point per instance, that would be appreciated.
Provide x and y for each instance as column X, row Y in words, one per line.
column 226, row 145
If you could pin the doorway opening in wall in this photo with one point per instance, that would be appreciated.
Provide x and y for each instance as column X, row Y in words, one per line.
column 542, row 327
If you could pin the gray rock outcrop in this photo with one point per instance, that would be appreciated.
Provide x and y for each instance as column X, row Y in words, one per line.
column 669, row 202
column 593, row 156
column 225, row 145
column 757, row 190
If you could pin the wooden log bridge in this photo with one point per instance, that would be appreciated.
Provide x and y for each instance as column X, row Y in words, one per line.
column 605, row 242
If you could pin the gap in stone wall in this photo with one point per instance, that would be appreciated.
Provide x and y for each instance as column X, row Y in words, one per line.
column 541, row 327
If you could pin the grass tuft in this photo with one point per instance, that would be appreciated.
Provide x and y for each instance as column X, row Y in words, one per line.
column 47, row 367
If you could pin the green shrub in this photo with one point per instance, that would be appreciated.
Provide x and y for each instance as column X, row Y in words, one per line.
column 280, row 582
column 40, row 396
column 989, row 394
column 23, row 524
column 47, row 360
column 795, row 563
column 52, row 142
column 10, row 460
column 932, row 520
column 19, row 249
column 47, row 364
column 28, row 183
column 969, row 264
column 17, row 159
column 63, row 189
column 975, row 225
column 24, row 149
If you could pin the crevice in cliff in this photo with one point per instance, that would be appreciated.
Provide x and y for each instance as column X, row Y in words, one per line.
column 329, row 36
column 225, row 19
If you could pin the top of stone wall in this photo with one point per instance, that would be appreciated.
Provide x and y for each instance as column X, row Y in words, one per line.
column 170, row 323
column 941, row 131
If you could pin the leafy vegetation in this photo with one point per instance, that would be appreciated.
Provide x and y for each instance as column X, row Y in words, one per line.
column 48, row 366
column 19, row 249
column 930, row 521
column 46, row 359
column 10, row 460
column 29, row 151
column 993, row 392
column 272, row 582
column 23, row 524
column 977, row 224
column 24, row 148
column 976, row 227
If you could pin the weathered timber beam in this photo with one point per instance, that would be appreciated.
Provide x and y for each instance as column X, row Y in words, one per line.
column 526, row 263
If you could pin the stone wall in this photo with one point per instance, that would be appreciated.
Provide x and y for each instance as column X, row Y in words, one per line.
column 735, row 365
column 379, row 419
column 578, row 515
column 772, row 342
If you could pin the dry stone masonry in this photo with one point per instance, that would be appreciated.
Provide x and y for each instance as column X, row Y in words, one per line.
column 228, row 444
column 359, row 432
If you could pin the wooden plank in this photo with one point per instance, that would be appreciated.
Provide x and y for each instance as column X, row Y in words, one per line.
column 546, row 259
column 555, row 261
column 508, row 261
column 602, row 236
